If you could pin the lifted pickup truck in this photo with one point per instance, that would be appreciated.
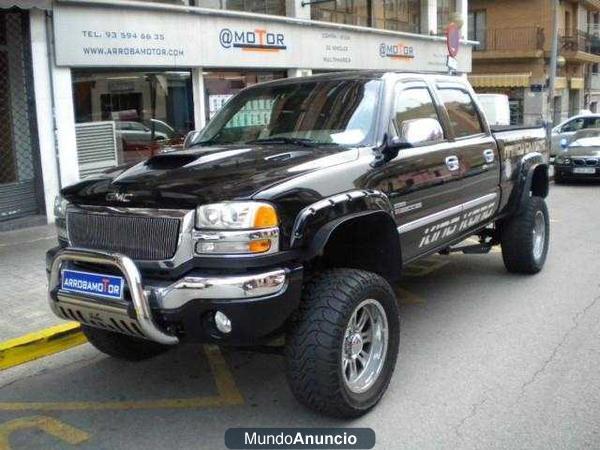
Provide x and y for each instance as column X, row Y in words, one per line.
column 293, row 213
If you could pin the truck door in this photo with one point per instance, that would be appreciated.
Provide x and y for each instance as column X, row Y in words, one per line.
column 477, row 153
column 422, row 182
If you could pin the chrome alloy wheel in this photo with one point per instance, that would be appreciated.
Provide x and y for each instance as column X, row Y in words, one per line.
column 365, row 346
column 539, row 235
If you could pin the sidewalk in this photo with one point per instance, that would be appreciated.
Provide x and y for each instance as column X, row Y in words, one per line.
column 23, row 279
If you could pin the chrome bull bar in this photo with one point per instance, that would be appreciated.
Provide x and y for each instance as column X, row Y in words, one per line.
column 133, row 278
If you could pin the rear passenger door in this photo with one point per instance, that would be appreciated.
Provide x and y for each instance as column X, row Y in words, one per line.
column 477, row 153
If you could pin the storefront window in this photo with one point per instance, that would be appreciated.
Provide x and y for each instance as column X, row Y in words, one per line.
column 273, row 7
column 221, row 86
column 398, row 15
column 148, row 111
column 445, row 10
column 350, row 12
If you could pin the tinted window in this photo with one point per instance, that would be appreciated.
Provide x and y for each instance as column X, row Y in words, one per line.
column 462, row 112
column 592, row 122
column 414, row 103
column 320, row 112
column 573, row 125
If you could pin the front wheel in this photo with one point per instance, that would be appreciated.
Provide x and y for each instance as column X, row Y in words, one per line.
column 525, row 237
column 343, row 345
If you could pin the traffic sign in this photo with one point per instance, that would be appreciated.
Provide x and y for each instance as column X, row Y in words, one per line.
column 453, row 39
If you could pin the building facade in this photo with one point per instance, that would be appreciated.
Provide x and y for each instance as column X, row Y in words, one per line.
column 88, row 85
column 513, row 55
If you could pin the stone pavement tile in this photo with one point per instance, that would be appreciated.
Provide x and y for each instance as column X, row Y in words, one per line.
column 23, row 279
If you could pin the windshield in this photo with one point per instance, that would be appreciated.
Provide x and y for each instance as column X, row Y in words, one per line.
column 593, row 141
column 334, row 112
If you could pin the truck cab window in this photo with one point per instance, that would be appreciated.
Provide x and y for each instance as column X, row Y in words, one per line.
column 462, row 112
column 413, row 103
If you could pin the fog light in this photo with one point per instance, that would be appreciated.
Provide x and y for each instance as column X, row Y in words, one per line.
column 223, row 323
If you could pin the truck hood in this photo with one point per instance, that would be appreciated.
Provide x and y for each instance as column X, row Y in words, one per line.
column 188, row 178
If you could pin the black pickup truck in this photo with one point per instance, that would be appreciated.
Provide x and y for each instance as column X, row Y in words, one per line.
column 293, row 213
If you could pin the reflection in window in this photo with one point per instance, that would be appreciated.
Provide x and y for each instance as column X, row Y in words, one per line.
column 144, row 111
column 399, row 15
column 414, row 103
column 273, row 7
column 322, row 112
column 220, row 86
column 461, row 111
column 349, row 12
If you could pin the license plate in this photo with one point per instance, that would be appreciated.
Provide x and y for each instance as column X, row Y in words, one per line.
column 96, row 284
column 587, row 170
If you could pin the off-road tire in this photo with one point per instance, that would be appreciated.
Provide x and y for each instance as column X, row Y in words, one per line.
column 122, row 346
column 316, row 337
column 517, row 238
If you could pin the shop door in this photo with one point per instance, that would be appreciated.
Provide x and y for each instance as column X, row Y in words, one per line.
column 18, row 174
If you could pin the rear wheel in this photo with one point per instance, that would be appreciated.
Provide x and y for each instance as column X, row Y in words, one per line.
column 342, row 348
column 525, row 237
column 122, row 346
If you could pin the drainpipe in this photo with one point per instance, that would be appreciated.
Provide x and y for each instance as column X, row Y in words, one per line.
column 50, row 46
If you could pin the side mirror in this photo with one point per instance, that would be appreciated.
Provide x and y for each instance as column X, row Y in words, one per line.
column 417, row 132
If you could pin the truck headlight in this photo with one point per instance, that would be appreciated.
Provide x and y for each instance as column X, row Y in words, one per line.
column 60, row 217
column 236, row 216
column 236, row 228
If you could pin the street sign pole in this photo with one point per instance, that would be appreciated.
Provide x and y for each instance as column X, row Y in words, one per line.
column 552, row 70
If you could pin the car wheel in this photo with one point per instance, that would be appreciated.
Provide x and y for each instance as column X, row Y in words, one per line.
column 343, row 343
column 122, row 346
column 525, row 238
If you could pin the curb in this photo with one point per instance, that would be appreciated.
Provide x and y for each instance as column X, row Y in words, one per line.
column 39, row 344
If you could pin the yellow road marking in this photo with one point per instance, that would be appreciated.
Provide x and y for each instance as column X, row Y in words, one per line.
column 228, row 395
column 39, row 344
column 56, row 428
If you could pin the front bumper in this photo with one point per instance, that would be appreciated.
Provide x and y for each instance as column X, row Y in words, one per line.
column 257, row 303
column 570, row 172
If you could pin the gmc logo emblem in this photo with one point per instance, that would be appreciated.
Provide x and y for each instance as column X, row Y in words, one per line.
column 123, row 197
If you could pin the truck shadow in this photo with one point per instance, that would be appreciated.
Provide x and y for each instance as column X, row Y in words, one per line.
column 180, row 379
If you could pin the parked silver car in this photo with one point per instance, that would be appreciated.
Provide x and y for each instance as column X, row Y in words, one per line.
column 569, row 127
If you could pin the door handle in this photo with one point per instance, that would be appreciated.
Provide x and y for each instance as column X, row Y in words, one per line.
column 452, row 163
column 489, row 156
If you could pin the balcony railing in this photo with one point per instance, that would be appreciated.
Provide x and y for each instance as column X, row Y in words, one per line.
column 519, row 38
column 576, row 40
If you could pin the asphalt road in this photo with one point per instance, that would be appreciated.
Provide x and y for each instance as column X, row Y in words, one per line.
column 487, row 360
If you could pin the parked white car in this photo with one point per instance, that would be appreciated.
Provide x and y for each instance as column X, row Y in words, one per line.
column 569, row 127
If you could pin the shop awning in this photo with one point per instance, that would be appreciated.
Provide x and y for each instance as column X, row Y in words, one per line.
column 494, row 80
column 560, row 83
column 27, row 4
column 577, row 84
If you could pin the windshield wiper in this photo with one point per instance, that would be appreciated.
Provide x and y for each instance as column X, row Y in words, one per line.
column 285, row 140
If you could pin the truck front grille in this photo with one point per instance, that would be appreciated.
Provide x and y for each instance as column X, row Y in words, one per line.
column 139, row 237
